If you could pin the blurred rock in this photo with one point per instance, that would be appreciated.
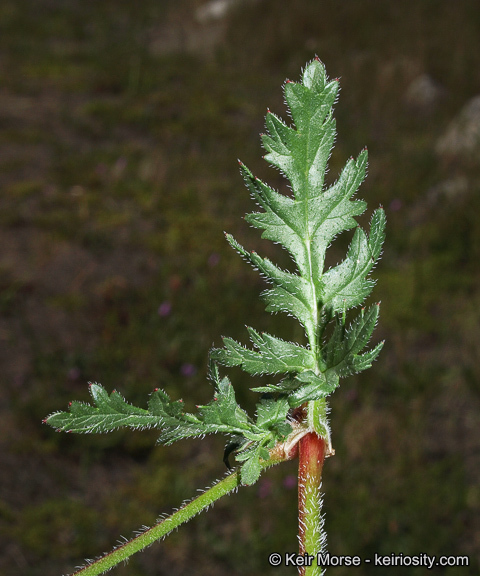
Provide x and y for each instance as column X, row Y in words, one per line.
column 423, row 94
column 214, row 10
column 197, row 31
column 450, row 189
column 461, row 140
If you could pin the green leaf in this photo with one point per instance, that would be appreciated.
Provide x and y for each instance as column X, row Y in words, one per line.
column 314, row 387
column 347, row 284
column 291, row 293
column 274, row 355
column 223, row 409
column 305, row 224
column 285, row 386
column 360, row 362
column 272, row 427
column 250, row 456
column 251, row 468
column 271, row 412
column 221, row 415
column 341, row 351
column 109, row 413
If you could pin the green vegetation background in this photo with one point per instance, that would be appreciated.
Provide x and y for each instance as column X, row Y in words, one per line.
column 120, row 127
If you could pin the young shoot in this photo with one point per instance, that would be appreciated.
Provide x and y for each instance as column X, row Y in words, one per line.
column 291, row 413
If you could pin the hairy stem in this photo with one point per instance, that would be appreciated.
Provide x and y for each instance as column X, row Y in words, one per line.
column 311, row 538
column 186, row 512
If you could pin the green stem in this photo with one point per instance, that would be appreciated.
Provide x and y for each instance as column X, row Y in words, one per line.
column 311, row 538
column 186, row 512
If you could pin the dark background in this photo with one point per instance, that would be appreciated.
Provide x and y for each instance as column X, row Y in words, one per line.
column 120, row 127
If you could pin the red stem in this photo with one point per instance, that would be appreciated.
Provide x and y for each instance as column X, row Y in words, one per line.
column 312, row 450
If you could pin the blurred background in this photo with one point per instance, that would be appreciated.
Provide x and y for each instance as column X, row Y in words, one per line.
column 120, row 127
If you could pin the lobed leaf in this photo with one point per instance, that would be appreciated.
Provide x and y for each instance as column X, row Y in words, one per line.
column 347, row 284
column 109, row 413
column 305, row 224
column 341, row 352
column 274, row 355
column 314, row 387
column 271, row 412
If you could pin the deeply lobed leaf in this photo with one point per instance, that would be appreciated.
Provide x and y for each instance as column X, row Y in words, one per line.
column 274, row 355
column 305, row 224
column 221, row 415
column 341, row 351
column 109, row 413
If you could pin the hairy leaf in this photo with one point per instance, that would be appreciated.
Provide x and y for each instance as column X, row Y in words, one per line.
column 341, row 351
column 305, row 224
column 221, row 415
column 108, row 413
column 274, row 355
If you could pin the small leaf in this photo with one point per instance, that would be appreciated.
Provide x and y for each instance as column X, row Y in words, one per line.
column 250, row 470
column 109, row 413
column 250, row 463
column 314, row 387
column 274, row 355
column 285, row 386
column 347, row 284
column 360, row 362
column 271, row 412
column 223, row 409
column 341, row 352
column 377, row 233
